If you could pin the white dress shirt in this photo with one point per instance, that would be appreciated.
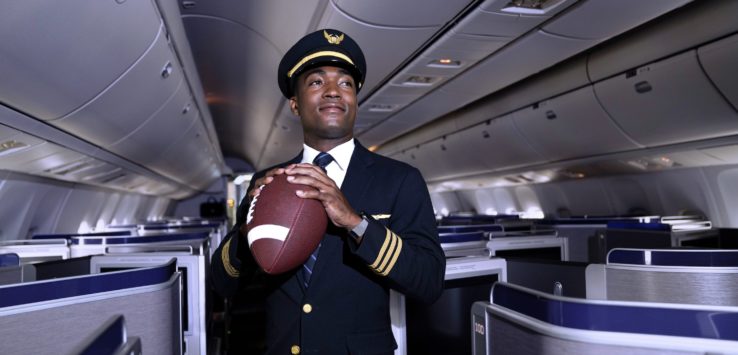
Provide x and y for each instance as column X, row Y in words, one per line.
column 341, row 154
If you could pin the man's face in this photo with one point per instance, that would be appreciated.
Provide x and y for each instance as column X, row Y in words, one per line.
column 325, row 100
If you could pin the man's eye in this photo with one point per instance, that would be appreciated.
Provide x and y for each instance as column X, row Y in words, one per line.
column 347, row 84
column 315, row 82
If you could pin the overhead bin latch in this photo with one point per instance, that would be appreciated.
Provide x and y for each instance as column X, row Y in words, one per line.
column 643, row 87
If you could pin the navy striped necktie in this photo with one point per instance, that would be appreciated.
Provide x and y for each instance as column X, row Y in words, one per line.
column 322, row 160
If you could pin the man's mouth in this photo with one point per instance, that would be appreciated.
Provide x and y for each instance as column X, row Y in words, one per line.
column 332, row 108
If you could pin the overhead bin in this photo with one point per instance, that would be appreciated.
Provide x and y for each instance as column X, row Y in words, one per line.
column 46, row 159
column 73, row 51
column 182, row 158
column 718, row 59
column 145, row 143
column 408, row 13
column 667, row 102
column 682, row 30
column 19, row 148
column 124, row 106
column 450, row 156
column 498, row 145
column 532, row 53
column 491, row 146
column 572, row 125
column 602, row 19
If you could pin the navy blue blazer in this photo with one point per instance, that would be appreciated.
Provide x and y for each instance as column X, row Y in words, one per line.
column 346, row 308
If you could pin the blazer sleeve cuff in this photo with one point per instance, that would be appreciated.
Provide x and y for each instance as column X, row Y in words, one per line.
column 229, row 253
column 379, row 248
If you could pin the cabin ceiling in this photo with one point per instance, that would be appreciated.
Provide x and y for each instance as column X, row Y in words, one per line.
column 151, row 97
column 237, row 46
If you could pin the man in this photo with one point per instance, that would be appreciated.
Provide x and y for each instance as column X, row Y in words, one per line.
column 381, row 232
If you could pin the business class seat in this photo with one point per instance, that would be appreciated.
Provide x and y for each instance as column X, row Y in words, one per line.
column 524, row 321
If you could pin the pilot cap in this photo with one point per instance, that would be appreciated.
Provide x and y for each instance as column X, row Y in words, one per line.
column 320, row 48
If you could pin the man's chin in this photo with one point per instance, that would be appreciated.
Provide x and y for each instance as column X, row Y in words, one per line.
column 334, row 133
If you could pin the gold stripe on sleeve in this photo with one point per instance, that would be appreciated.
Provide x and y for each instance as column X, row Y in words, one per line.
column 394, row 257
column 389, row 254
column 226, row 258
column 382, row 251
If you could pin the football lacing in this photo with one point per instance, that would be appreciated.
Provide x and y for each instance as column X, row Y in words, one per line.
column 250, row 215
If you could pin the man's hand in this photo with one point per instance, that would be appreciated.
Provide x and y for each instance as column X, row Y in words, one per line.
column 336, row 206
column 267, row 178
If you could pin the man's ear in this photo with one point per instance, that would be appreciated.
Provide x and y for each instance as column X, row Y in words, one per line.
column 293, row 106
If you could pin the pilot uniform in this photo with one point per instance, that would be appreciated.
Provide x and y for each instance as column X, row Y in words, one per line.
column 345, row 307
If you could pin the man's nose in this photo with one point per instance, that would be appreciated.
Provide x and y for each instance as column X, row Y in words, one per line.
column 331, row 90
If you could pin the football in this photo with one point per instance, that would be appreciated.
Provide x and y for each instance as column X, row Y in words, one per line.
column 283, row 229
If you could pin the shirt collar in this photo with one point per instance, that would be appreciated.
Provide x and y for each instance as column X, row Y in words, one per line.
column 341, row 154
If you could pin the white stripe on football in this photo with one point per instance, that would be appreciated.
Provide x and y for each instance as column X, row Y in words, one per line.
column 271, row 231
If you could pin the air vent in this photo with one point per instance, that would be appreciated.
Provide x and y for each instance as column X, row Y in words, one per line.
column 531, row 7
column 382, row 108
column 113, row 178
column 102, row 174
column 11, row 146
column 419, row 80
column 69, row 168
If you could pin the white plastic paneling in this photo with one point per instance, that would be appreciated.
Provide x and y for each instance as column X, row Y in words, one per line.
column 408, row 13
column 572, row 125
column 34, row 209
column 587, row 197
column 56, row 56
column 718, row 59
column 7, row 133
column 727, row 191
column 81, row 211
column 165, row 126
column 388, row 130
column 86, row 170
column 626, row 194
column 184, row 159
column 27, row 148
column 40, row 158
column 453, row 156
column 601, row 19
column 427, row 159
column 499, row 145
column 125, row 105
column 676, row 103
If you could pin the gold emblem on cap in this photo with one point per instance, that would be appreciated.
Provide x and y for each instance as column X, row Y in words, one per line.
column 333, row 39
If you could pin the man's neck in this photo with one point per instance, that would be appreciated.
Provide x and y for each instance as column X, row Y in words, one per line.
column 325, row 145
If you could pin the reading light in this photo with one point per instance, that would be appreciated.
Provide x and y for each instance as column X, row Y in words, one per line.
column 445, row 63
